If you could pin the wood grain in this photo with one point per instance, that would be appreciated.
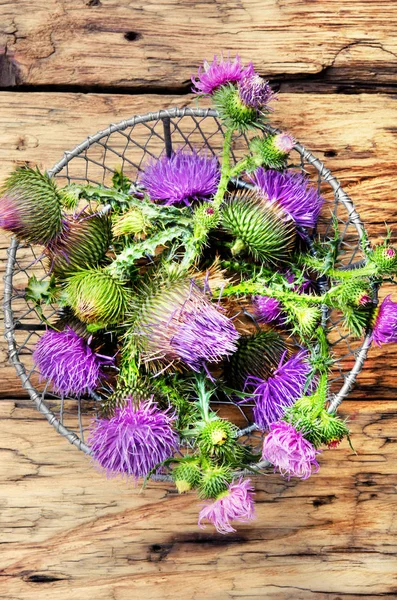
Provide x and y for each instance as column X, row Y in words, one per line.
column 68, row 533
column 118, row 43
column 354, row 136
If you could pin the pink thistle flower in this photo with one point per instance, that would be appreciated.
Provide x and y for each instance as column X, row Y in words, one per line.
column 236, row 504
column 255, row 92
column 268, row 310
column 287, row 449
column 212, row 76
column 284, row 142
column 134, row 440
column 66, row 360
column 385, row 323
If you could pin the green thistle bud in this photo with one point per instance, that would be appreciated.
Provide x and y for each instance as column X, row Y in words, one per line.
column 332, row 429
column 355, row 293
column 232, row 111
column 187, row 474
column 82, row 243
column 304, row 318
column 30, row 206
column 133, row 222
column 258, row 355
column 385, row 258
column 260, row 228
column 97, row 297
column 214, row 481
column 205, row 217
column 218, row 439
column 271, row 151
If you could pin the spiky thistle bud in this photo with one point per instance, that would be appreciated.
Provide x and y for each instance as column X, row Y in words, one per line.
column 332, row 428
column 205, row 217
column 233, row 112
column 186, row 474
column 96, row 296
column 30, row 206
column 303, row 318
column 133, row 222
column 272, row 150
column 385, row 258
column 260, row 228
column 82, row 243
column 214, row 481
column 217, row 438
column 355, row 293
column 257, row 355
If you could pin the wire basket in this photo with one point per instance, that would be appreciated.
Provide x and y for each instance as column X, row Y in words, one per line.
column 129, row 144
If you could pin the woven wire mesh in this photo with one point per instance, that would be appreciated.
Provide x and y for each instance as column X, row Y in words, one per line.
column 129, row 145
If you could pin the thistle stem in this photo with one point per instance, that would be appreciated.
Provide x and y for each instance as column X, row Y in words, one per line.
column 226, row 169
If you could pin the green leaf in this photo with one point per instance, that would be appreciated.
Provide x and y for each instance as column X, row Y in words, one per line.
column 121, row 182
column 41, row 291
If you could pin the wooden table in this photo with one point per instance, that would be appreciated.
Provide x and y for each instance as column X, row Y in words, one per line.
column 67, row 69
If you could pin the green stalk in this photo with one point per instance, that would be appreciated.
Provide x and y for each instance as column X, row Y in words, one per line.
column 241, row 166
column 226, row 169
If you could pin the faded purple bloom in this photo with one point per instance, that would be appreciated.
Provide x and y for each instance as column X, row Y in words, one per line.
column 134, row 440
column 287, row 449
column 10, row 217
column 280, row 390
column 212, row 76
column 284, row 142
column 390, row 252
column 268, row 310
column 181, row 324
column 67, row 361
column 255, row 92
column 385, row 323
column 181, row 178
column 236, row 504
column 291, row 191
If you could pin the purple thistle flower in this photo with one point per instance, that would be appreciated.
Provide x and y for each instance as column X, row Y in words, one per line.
column 10, row 217
column 236, row 504
column 181, row 178
column 67, row 361
column 280, row 390
column 284, row 142
column 212, row 76
column 255, row 92
column 287, row 449
column 268, row 310
column 180, row 324
column 385, row 323
column 134, row 440
column 291, row 191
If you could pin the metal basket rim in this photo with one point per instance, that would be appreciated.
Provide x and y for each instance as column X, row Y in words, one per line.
column 307, row 156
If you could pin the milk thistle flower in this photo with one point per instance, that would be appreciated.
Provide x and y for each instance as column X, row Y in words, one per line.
column 235, row 504
column 182, row 178
column 286, row 448
column 274, row 394
column 179, row 324
column 69, row 363
column 221, row 71
column 134, row 440
column 292, row 192
column 384, row 328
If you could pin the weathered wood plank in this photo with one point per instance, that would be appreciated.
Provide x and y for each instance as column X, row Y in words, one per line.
column 122, row 44
column 355, row 137
column 69, row 533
